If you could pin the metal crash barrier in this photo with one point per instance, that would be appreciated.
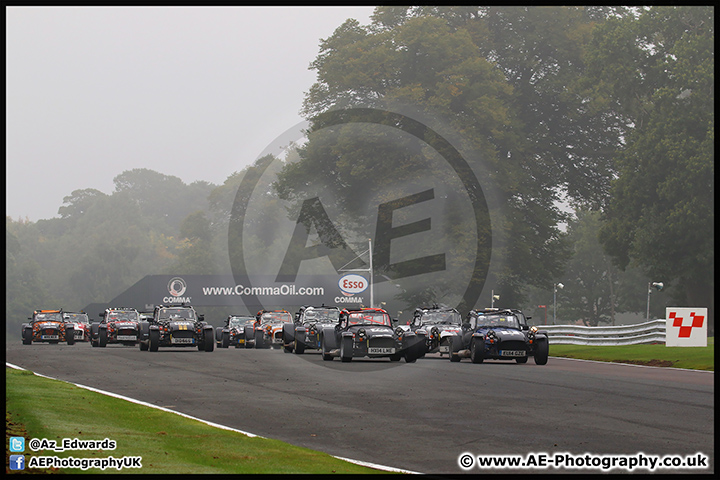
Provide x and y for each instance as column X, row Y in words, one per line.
column 647, row 332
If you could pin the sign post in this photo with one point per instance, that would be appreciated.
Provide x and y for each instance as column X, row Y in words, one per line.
column 369, row 270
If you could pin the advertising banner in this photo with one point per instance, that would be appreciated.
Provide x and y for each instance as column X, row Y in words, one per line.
column 349, row 290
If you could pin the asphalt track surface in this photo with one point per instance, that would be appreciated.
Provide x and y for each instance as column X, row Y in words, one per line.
column 418, row 417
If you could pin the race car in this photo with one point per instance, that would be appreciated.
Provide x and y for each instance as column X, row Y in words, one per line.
column 176, row 326
column 119, row 325
column 500, row 335
column 47, row 326
column 269, row 328
column 439, row 325
column 304, row 332
column 368, row 332
column 238, row 331
column 81, row 325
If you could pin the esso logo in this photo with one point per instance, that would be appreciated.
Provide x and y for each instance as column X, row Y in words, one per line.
column 352, row 284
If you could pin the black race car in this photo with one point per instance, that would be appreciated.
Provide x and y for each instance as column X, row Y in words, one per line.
column 439, row 324
column 176, row 326
column 304, row 332
column 368, row 332
column 118, row 325
column 237, row 331
column 500, row 335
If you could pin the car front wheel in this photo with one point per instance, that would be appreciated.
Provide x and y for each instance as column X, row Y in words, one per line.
column 477, row 355
column 346, row 349
column 154, row 340
column 102, row 340
column 541, row 352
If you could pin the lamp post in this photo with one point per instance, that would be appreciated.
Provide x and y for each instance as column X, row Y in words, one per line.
column 555, row 287
column 659, row 286
column 493, row 297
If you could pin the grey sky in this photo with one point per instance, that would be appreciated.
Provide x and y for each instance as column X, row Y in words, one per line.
column 194, row 92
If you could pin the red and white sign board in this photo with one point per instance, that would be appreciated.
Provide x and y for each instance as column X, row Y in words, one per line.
column 686, row 327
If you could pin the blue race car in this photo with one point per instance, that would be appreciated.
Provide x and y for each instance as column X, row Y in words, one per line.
column 499, row 334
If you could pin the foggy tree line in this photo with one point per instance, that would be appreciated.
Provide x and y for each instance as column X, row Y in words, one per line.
column 607, row 109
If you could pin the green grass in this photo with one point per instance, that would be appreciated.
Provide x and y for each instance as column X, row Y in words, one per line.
column 40, row 408
column 695, row 358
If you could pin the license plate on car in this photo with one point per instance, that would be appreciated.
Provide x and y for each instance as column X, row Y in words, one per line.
column 444, row 349
column 381, row 350
column 182, row 340
column 50, row 337
column 241, row 340
column 123, row 338
column 513, row 353
column 78, row 334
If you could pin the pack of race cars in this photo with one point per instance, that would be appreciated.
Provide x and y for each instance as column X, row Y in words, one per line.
column 348, row 333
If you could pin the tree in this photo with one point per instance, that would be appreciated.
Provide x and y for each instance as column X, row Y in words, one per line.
column 508, row 79
column 661, row 207
column 79, row 202
column 165, row 199
column 25, row 289
column 196, row 255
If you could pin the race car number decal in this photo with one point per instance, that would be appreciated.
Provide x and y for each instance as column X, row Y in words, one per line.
column 182, row 340
column 380, row 350
column 512, row 353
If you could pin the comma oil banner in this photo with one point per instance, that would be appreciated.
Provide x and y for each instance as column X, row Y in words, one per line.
column 221, row 290
column 686, row 327
column 267, row 291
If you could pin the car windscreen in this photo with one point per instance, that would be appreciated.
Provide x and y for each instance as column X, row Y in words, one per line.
column 441, row 318
column 48, row 317
column 122, row 316
column 369, row 318
column 76, row 317
column 321, row 315
column 508, row 321
column 276, row 317
column 240, row 321
column 177, row 314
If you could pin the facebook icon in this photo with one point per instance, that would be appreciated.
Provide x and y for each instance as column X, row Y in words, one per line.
column 17, row 462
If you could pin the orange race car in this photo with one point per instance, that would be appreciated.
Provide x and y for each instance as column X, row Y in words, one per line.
column 48, row 326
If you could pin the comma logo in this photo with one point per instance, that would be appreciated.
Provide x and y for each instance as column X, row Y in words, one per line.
column 368, row 173
column 177, row 286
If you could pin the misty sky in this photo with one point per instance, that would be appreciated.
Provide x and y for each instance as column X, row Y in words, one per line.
column 194, row 92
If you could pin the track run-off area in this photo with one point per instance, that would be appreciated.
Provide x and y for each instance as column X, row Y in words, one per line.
column 431, row 416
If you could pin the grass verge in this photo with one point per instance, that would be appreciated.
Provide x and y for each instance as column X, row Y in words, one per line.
column 40, row 408
column 657, row 355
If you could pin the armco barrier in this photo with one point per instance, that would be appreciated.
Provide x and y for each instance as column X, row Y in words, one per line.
column 647, row 332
